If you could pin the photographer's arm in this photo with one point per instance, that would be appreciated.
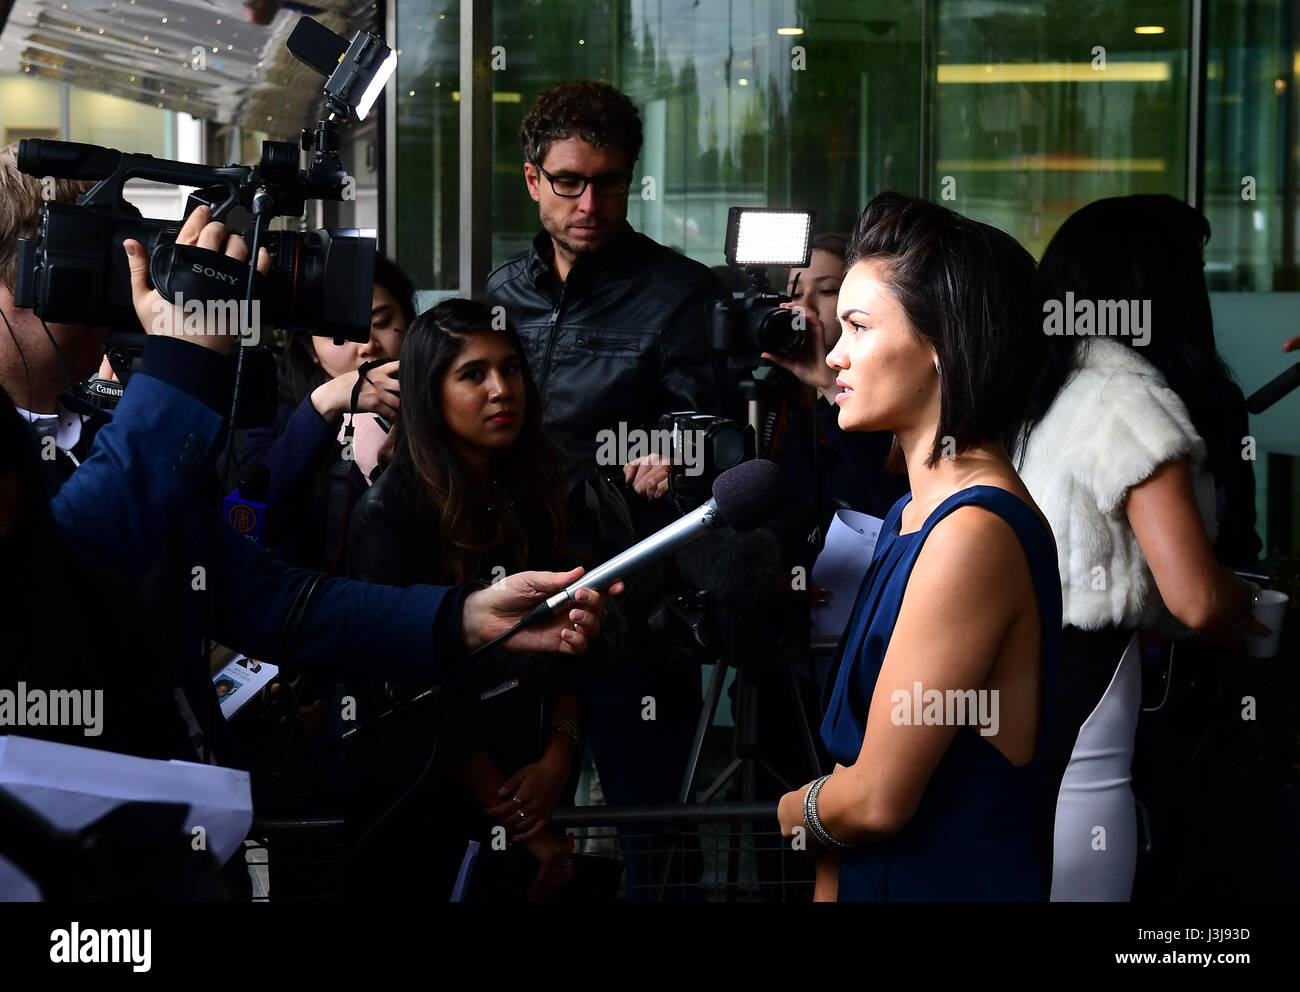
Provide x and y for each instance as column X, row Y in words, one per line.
column 686, row 374
column 118, row 507
column 406, row 635
column 289, row 451
column 293, row 453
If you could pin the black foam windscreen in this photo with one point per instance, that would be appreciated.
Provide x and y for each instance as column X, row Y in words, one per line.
column 749, row 493
column 735, row 568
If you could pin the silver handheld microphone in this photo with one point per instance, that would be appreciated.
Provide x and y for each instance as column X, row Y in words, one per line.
column 698, row 522
column 743, row 497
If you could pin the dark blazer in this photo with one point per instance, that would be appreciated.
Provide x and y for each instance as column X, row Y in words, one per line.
column 131, row 508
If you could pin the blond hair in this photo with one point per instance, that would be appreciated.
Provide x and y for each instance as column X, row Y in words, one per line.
column 20, row 207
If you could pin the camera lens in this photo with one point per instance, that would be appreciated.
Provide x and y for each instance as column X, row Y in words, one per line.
column 728, row 447
column 778, row 332
column 313, row 283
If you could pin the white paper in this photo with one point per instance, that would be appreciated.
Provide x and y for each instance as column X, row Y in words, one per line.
column 241, row 680
column 850, row 542
column 74, row 786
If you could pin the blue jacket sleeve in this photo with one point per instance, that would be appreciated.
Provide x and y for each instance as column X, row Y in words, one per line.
column 292, row 454
column 146, row 464
column 353, row 628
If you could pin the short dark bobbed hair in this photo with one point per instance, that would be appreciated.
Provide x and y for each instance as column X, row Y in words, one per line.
column 969, row 292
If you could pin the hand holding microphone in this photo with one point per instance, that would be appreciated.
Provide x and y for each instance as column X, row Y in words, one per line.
column 494, row 613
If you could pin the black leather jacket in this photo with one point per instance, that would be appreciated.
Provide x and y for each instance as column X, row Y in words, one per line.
column 623, row 339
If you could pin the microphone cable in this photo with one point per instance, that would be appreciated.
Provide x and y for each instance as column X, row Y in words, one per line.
column 539, row 611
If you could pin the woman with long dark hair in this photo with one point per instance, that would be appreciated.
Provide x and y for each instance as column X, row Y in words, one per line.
column 1130, row 426
column 471, row 492
column 961, row 602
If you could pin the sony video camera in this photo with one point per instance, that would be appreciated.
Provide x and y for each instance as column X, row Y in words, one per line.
column 74, row 271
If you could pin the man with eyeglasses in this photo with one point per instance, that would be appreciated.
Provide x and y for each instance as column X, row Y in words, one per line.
column 616, row 330
column 616, row 325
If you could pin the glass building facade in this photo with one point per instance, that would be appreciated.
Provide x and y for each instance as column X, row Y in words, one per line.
column 1015, row 114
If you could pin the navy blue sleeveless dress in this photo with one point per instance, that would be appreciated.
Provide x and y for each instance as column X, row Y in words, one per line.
column 972, row 837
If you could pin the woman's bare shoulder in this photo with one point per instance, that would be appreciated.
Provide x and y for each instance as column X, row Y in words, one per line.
column 978, row 545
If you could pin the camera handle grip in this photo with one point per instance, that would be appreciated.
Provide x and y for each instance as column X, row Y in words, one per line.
column 199, row 274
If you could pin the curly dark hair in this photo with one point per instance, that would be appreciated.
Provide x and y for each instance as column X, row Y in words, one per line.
column 596, row 112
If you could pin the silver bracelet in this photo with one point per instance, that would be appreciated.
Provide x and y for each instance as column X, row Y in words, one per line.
column 813, row 821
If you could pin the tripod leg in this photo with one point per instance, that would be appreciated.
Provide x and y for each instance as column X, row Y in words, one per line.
column 777, row 777
column 747, row 733
column 707, row 713
column 801, row 718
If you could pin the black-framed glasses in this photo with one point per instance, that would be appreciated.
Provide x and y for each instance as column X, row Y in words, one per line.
column 572, row 187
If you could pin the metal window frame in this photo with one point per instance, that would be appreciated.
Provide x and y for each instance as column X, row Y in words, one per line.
column 475, row 150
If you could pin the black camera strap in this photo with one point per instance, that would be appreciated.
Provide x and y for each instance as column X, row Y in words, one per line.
column 339, row 494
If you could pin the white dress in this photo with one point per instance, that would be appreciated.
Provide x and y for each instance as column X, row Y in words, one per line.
column 1112, row 425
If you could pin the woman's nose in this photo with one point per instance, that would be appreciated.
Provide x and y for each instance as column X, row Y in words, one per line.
column 838, row 357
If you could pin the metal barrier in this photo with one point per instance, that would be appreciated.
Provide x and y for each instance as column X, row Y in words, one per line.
column 294, row 859
column 710, row 852
column 715, row 852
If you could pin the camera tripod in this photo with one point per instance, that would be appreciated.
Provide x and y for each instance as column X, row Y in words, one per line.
column 746, row 759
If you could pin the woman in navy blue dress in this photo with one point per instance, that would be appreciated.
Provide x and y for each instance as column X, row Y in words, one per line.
column 935, row 710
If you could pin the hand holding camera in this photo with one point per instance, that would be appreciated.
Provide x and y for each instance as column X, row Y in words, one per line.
column 198, row 230
column 809, row 364
column 379, row 393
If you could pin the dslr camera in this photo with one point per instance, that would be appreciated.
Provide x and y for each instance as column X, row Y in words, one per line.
column 702, row 447
column 756, row 239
